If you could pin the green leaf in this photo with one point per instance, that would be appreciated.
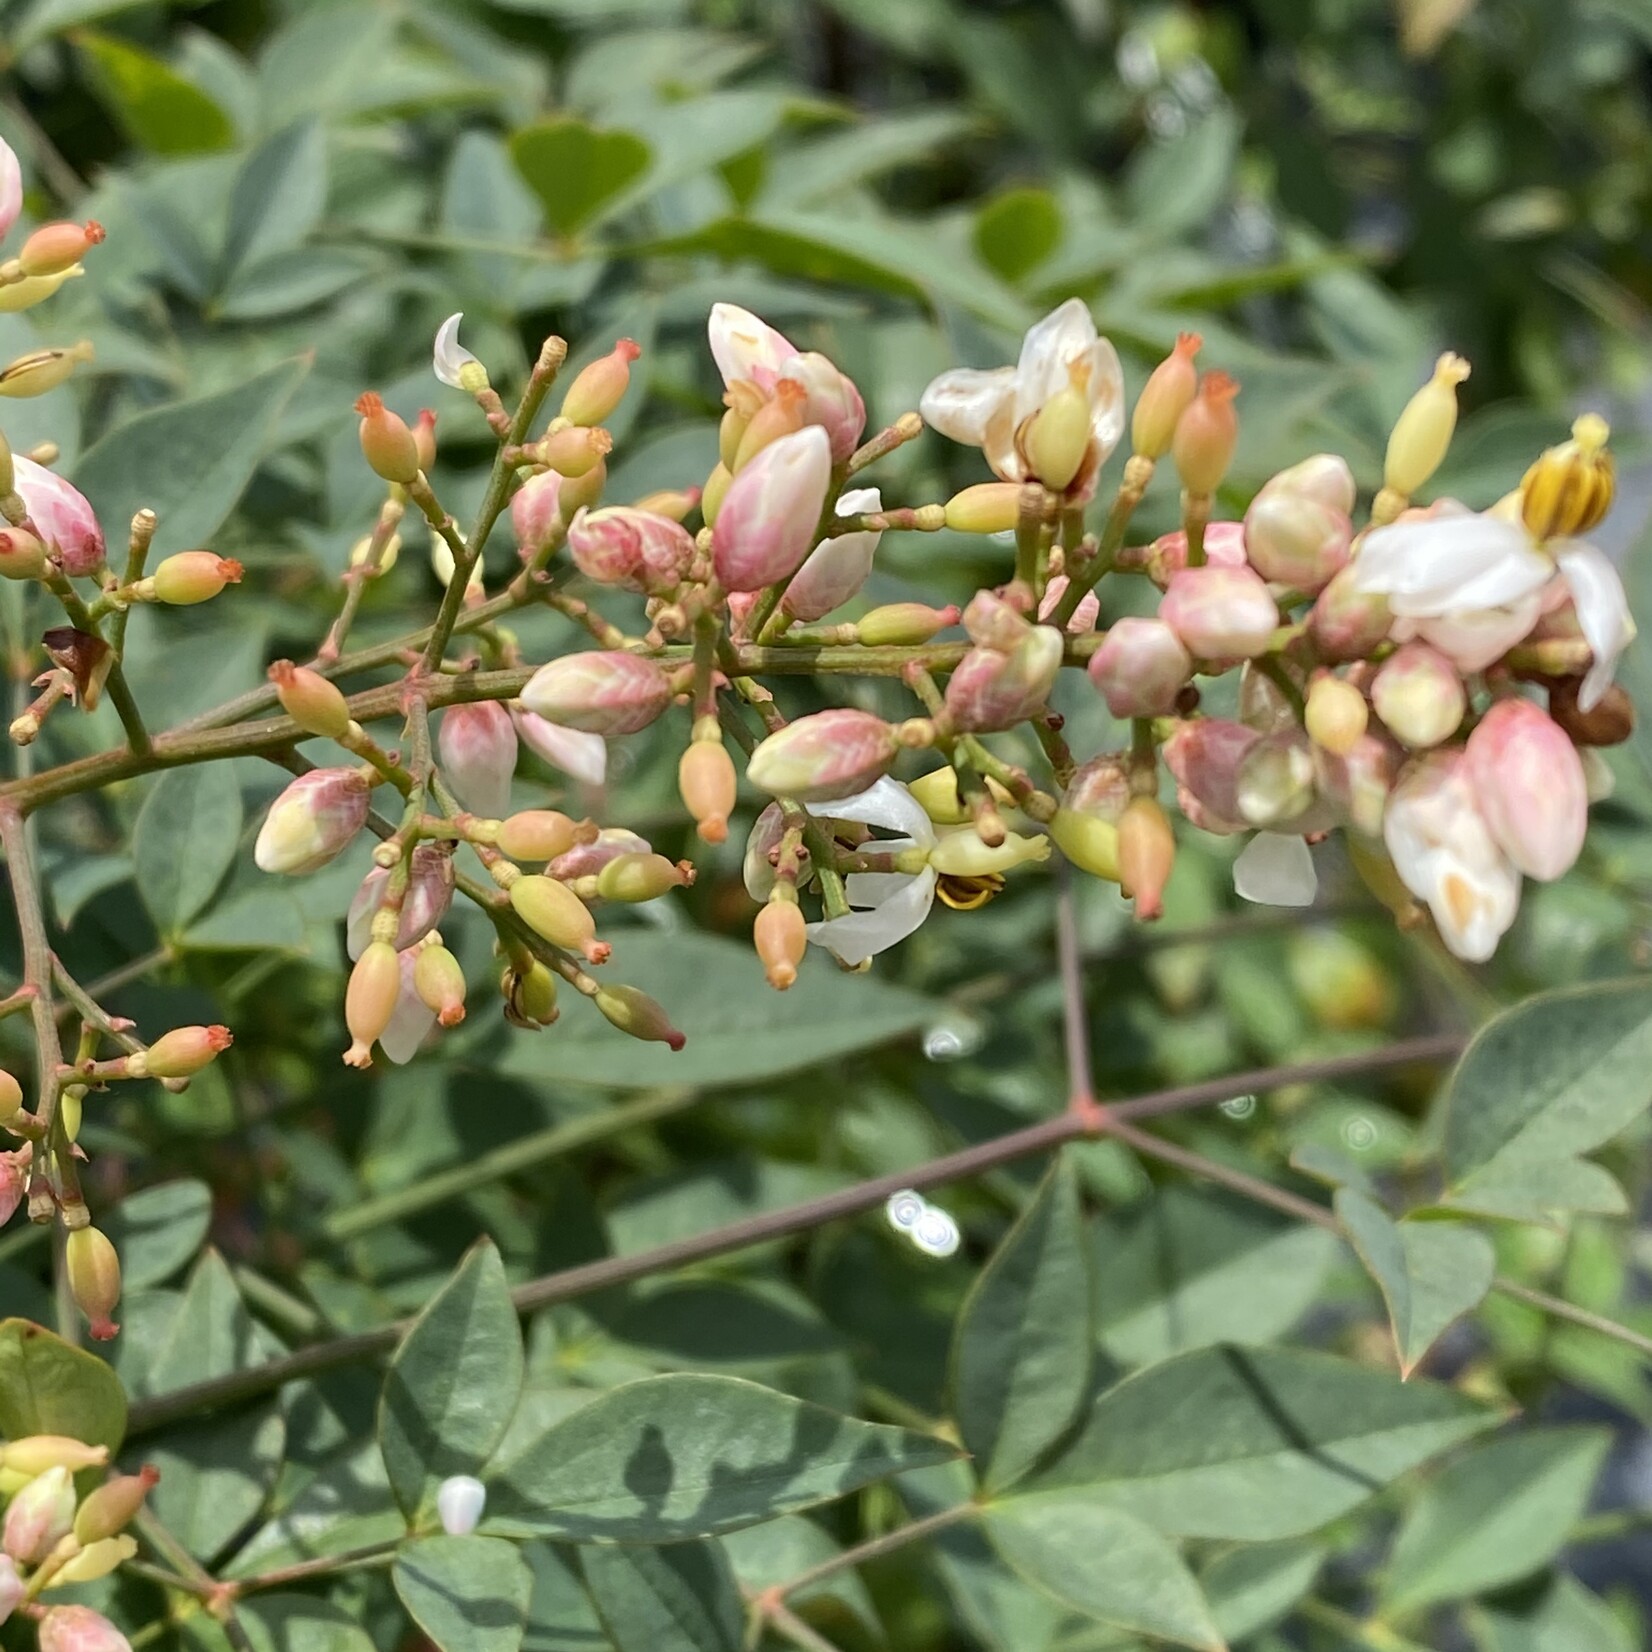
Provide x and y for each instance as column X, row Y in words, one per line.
column 737, row 1028
column 808, row 171
column 688, row 1456
column 299, row 1623
column 1430, row 1273
column 186, row 836
column 48, row 1386
column 158, row 1229
column 453, row 1382
column 1017, row 230
column 1021, row 1353
column 1251, row 1587
column 575, row 168
column 346, row 1506
column 257, row 920
column 561, row 1617
column 295, row 278
column 1542, row 1084
column 468, row 1594
column 1255, row 1443
column 1564, row 1618
column 189, row 461
column 1193, row 1268
column 278, row 196
column 1104, row 1563
column 680, row 1599
column 163, row 111
column 1493, row 1516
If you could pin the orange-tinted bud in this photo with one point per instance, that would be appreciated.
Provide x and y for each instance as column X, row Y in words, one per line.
column 707, row 781
column 1165, row 397
column 573, row 452
column 386, row 442
column 94, row 1279
column 988, row 507
column 1336, row 714
column 22, row 556
column 674, row 504
column 640, row 877
column 780, row 935
column 370, row 1000
column 1147, row 851
column 537, row 834
column 636, row 1013
column 440, row 984
column 554, row 912
column 314, row 703
column 181, row 1052
column 600, row 387
column 424, row 438
column 192, row 576
column 54, row 248
column 777, row 417
column 579, row 493
column 110, row 1508
column 1206, row 435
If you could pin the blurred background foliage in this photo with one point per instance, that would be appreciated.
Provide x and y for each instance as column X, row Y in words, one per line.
column 298, row 191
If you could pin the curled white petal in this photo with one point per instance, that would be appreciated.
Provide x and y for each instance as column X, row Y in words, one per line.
column 581, row 756
column 1602, row 613
column 460, row 1501
column 451, row 357
column 885, row 803
column 1276, row 870
column 1049, row 348
column 1450, row 564
column 410, row 1021
column 965, row 403
column 858, row 936
column 744, row 346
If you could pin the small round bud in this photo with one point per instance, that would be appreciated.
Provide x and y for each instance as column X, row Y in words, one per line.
column 314, row 703
column 11, row 1096
column 599, row 388
column 193, row 576
column 1147, row 851
column 903, row 624
column 1090, row 842
column 987, row 507
column 555, row 913
column 80, row 1629
column 780, row 936
column 22, row 556
column 639, row 877
column 707, row 781
column 530, row 996
column 182, row 1052
column 537, row 834
column 1166, row 396
column 1220, row 613
column 1206, row 435
column 637, row 1014
column 386, row 443
column 993, row 689
column 370, row 1000
column 39, row 1517
column 440, row 984
column 94, row 1279
column 1336, row 714
column 1423, row 431
column 54, row 248
column 1140, row 668
column 110, row 1509
column 1346, row 623
column 1419, row 696
column 1569, row 489
column 575, row 451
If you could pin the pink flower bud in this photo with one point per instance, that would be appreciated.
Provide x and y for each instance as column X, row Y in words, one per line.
column 1275, row 780
column 829, row 755
column 1204, row 755
column 582, row 756
column 600, row 387
column 831, row 401
column 1220, row 613
column 181, row 1053
column 63, row 517
column 1419, row 696
column 994, row 623
column 637, row 549
column 1084, row 616
column 428, row 896
column 1140, row 668
column 111, row 1507
column 990, row 690
column 80, row 1629
column 1529, row 783
column 11, row 187
column 14, row 1181
column 476, row 749
column 94, row 1280
column 605, row 692
column 836, row 568
column 1224, row 548
column 535, row 512
column 1323, row 477
column 1294, row 539
column 312, row 821
column 1346, row 623
column 767, row 521
column 585, row 860
column 39, row 1516
column 1100, row 787
column 12, row 1586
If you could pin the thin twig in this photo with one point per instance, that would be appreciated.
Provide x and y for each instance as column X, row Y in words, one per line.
column 873, row 1548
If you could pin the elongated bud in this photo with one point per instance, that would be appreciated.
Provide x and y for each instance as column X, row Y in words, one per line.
column 35, row 1453
column 424, row 438
column 637, row 1014
column 1336, row 714
column 94, row 1279
column 39, row 1517
column 1294, row 539
column 987, row 507
column 95, row 1560
column 1140, row 668
column 22, row 556
column 555, row 913
column 191, row 577
column 605, row 692
column 903, row 624
column 1058, row 437
column 11, row 1096
column 574, row 452
column 314, row 819
column 110, row 1509
column 838, row 566
column 1529, row 784
column 620, row 545
column 54, row 248
column 80, row 1629
column 767, row 521
column 477, row 752
column 1220, row 613
column 386, row 442
column 1206, row 435
column 714, row 493
column 990, row 690
column 1347, row 623
column 707, row 781
column 1419, row 696
column 370, row 1000
column 536, row 513
column 1166, row 396
column 831, row 400
column 780, row 936
column 530, row 996
column 829, row 755
column 1422, row 433
column 62, row 516
column 1147, row 851
column 1569, row 489
column 180, row 1053
column 1088, row 841
column 462, row 1498
column 537, row 834
column 314, row 703
column 780, row 415
column 674, row 504
column 440, row 984
column 961, row 853
column 639, row 877
column 42, row 370
column 599, row 388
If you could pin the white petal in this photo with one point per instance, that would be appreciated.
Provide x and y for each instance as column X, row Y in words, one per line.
column 745, row 346
column 1106, row 398
column 867, row 891
column 11, row 187
column 1276, row 870
column 581, row 756
column 450, row 356
column 885, row 803
column 857, row 500
column 460, row 1500
column 1050, row 350
column 862, row 935
column 410, row 1022
column 1450, row 564
column 1473, row 639
column 964, row 403
column 1602, row 613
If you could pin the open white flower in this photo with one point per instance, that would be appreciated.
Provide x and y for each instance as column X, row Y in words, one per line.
column 989, row 410
column 890, row 905
column 451, row 358
column 1275, row 869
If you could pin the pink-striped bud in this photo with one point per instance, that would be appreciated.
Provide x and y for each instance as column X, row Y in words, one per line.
column 315, row 704
column 767, row 521
column 11, row 187
column 191, row 577
column 990, row 690
column 1204, row 756
column 830, row 400
column 1085, row 614
column 582, row 756
column 62, row 516
column 907, row 624
column 110, row 1509
column 637, row 1015
column 536, row 512
column 313, row 820
column 425, row 902
column 537, row 834
column 1224, row 548
column 80, row 1629
column 837, row 567
column 94, row 1279
column 605, row 691
column 619, row 545
column 476, row 749
column 1419, row 696
column 585, row 860
column 370, row 1000
column 600, row 387
column 39, row 1517
column 440, row 984
column 1140, row 668
column 556, row 914
column 829, row 755
column 181, row 1053
column 1220, row 613
column 1347, row 623
column 1529, row 784
column 1165, row 397
column 1294, row 538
